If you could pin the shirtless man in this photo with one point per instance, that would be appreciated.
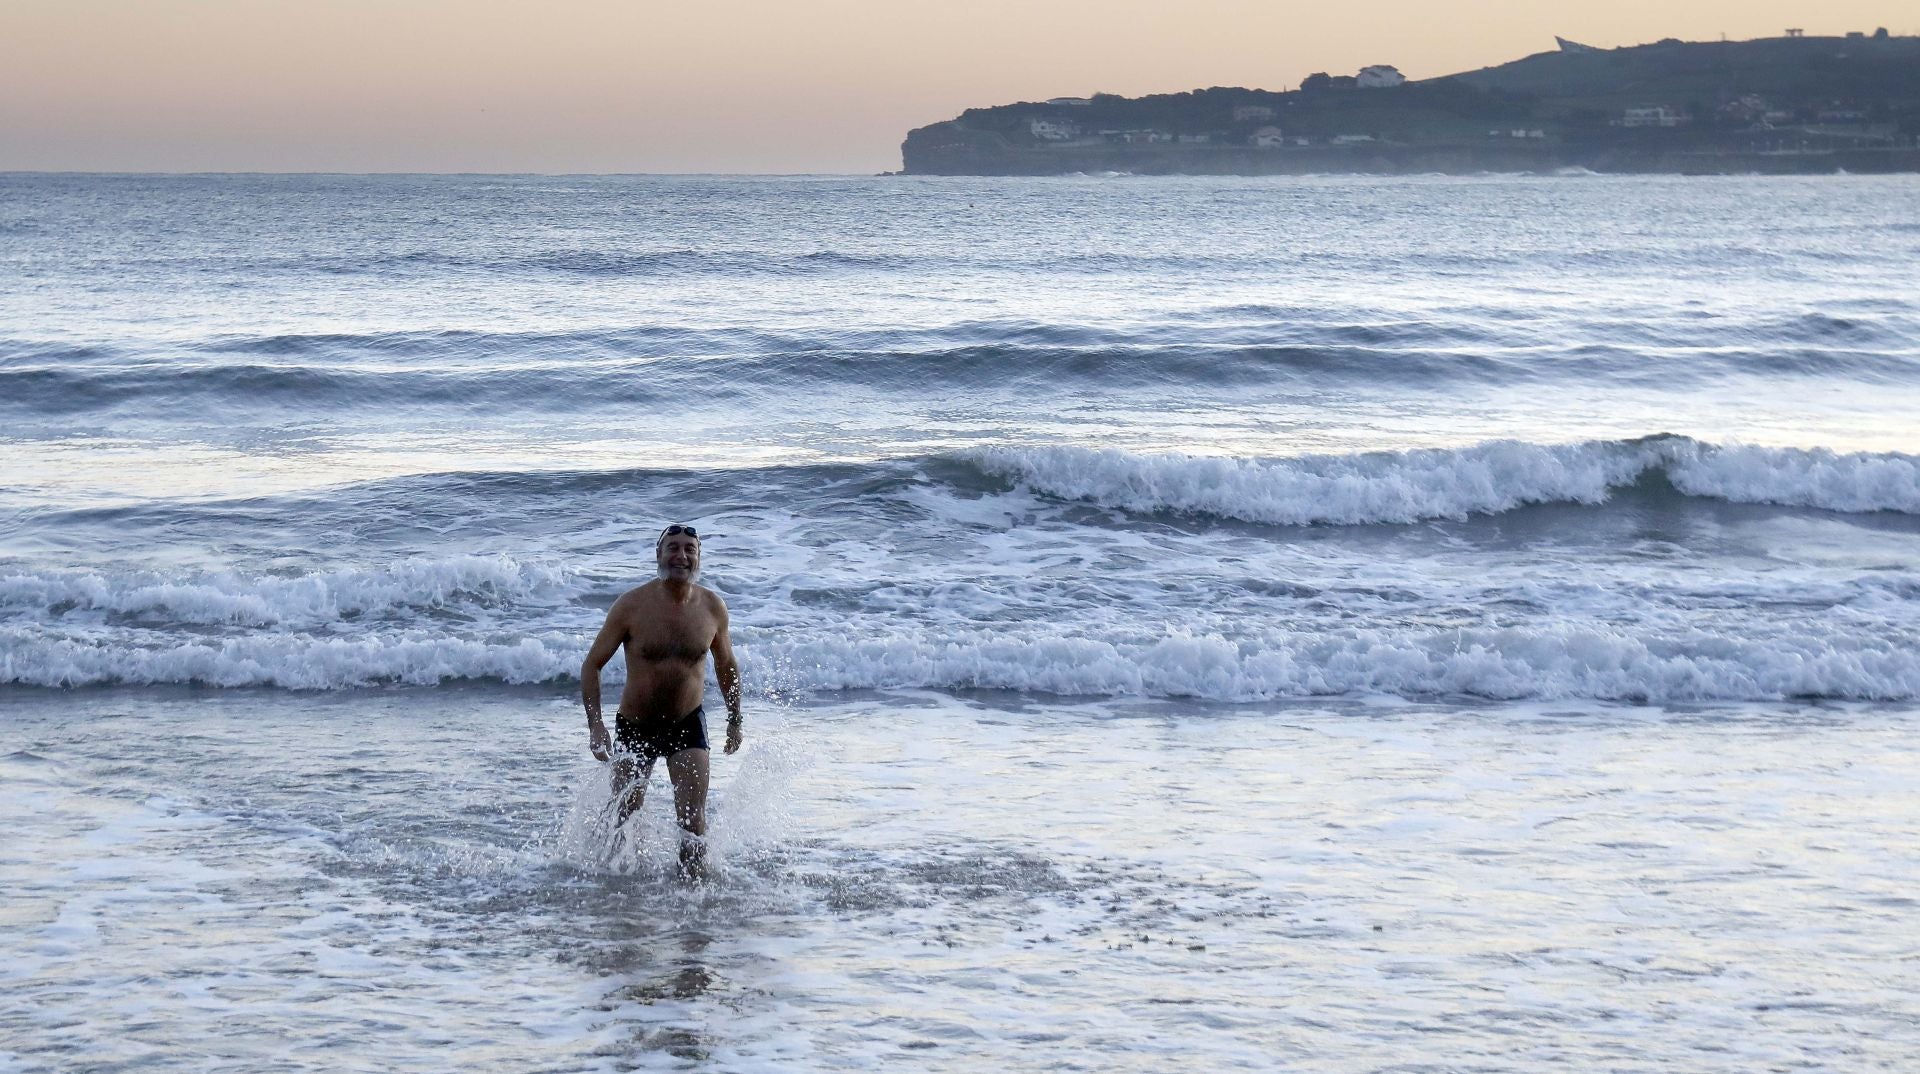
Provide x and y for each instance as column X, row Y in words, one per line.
column 668, row 627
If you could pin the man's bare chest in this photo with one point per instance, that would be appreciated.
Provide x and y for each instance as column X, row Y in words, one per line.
column 670, row 637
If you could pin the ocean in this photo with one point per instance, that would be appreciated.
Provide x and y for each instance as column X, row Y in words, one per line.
column 1325, row 623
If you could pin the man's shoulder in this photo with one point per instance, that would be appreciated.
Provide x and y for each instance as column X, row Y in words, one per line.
column 637, row 595
column 654, row 590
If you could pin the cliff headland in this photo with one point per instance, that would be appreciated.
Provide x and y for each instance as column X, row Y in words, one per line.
column 1782, row 105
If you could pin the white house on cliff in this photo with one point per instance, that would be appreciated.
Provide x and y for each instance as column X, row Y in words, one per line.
column 1379, row 76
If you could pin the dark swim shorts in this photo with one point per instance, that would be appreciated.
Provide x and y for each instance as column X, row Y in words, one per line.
column 648, row 741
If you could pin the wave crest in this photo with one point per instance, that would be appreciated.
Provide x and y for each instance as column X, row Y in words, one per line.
column 1568, row 661
column 1454, row 483
column 1581, row 660
column 408, row 588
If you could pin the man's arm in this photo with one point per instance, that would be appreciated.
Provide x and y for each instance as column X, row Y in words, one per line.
column 612, row 633
column 727, row 670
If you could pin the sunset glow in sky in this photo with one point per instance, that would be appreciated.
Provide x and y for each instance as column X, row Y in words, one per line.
column 749, row 86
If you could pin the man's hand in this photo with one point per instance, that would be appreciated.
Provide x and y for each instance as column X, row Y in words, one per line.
column 733, row 736
column 599, row 741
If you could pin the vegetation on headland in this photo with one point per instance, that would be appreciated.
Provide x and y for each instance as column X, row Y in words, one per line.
column 1785, row 104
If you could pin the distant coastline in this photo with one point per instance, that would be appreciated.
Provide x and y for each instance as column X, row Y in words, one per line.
column 1781, row 105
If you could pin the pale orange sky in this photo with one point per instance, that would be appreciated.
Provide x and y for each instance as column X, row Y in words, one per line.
column 748, row 86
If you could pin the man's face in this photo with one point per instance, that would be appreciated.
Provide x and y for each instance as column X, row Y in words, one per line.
column 679, row 557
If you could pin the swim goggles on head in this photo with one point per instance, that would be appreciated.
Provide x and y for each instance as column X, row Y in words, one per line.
column 675, row 530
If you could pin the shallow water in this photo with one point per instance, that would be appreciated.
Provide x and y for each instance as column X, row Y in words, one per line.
column 414, row 880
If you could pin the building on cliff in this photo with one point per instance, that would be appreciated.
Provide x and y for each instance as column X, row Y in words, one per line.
column 1380, row 76
column 1052, row 130
column 1659, row 115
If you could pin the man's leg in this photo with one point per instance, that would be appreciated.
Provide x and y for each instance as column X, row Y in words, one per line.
column 687, row 770
column 629, row 786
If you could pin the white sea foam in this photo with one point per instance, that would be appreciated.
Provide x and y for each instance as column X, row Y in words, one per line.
column 1548, row 661
column 405, row 587
column 1003, row 590
column 1408, row 486
column 293, row 661
column 1568, row 661
column 1817, row 477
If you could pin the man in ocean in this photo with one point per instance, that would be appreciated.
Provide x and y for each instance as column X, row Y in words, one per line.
column 668, row 626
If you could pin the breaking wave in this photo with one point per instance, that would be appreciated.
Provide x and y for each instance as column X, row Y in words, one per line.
column 446, row 587
column 1454, row 483
column 1563, row 661
column 1061, row 600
